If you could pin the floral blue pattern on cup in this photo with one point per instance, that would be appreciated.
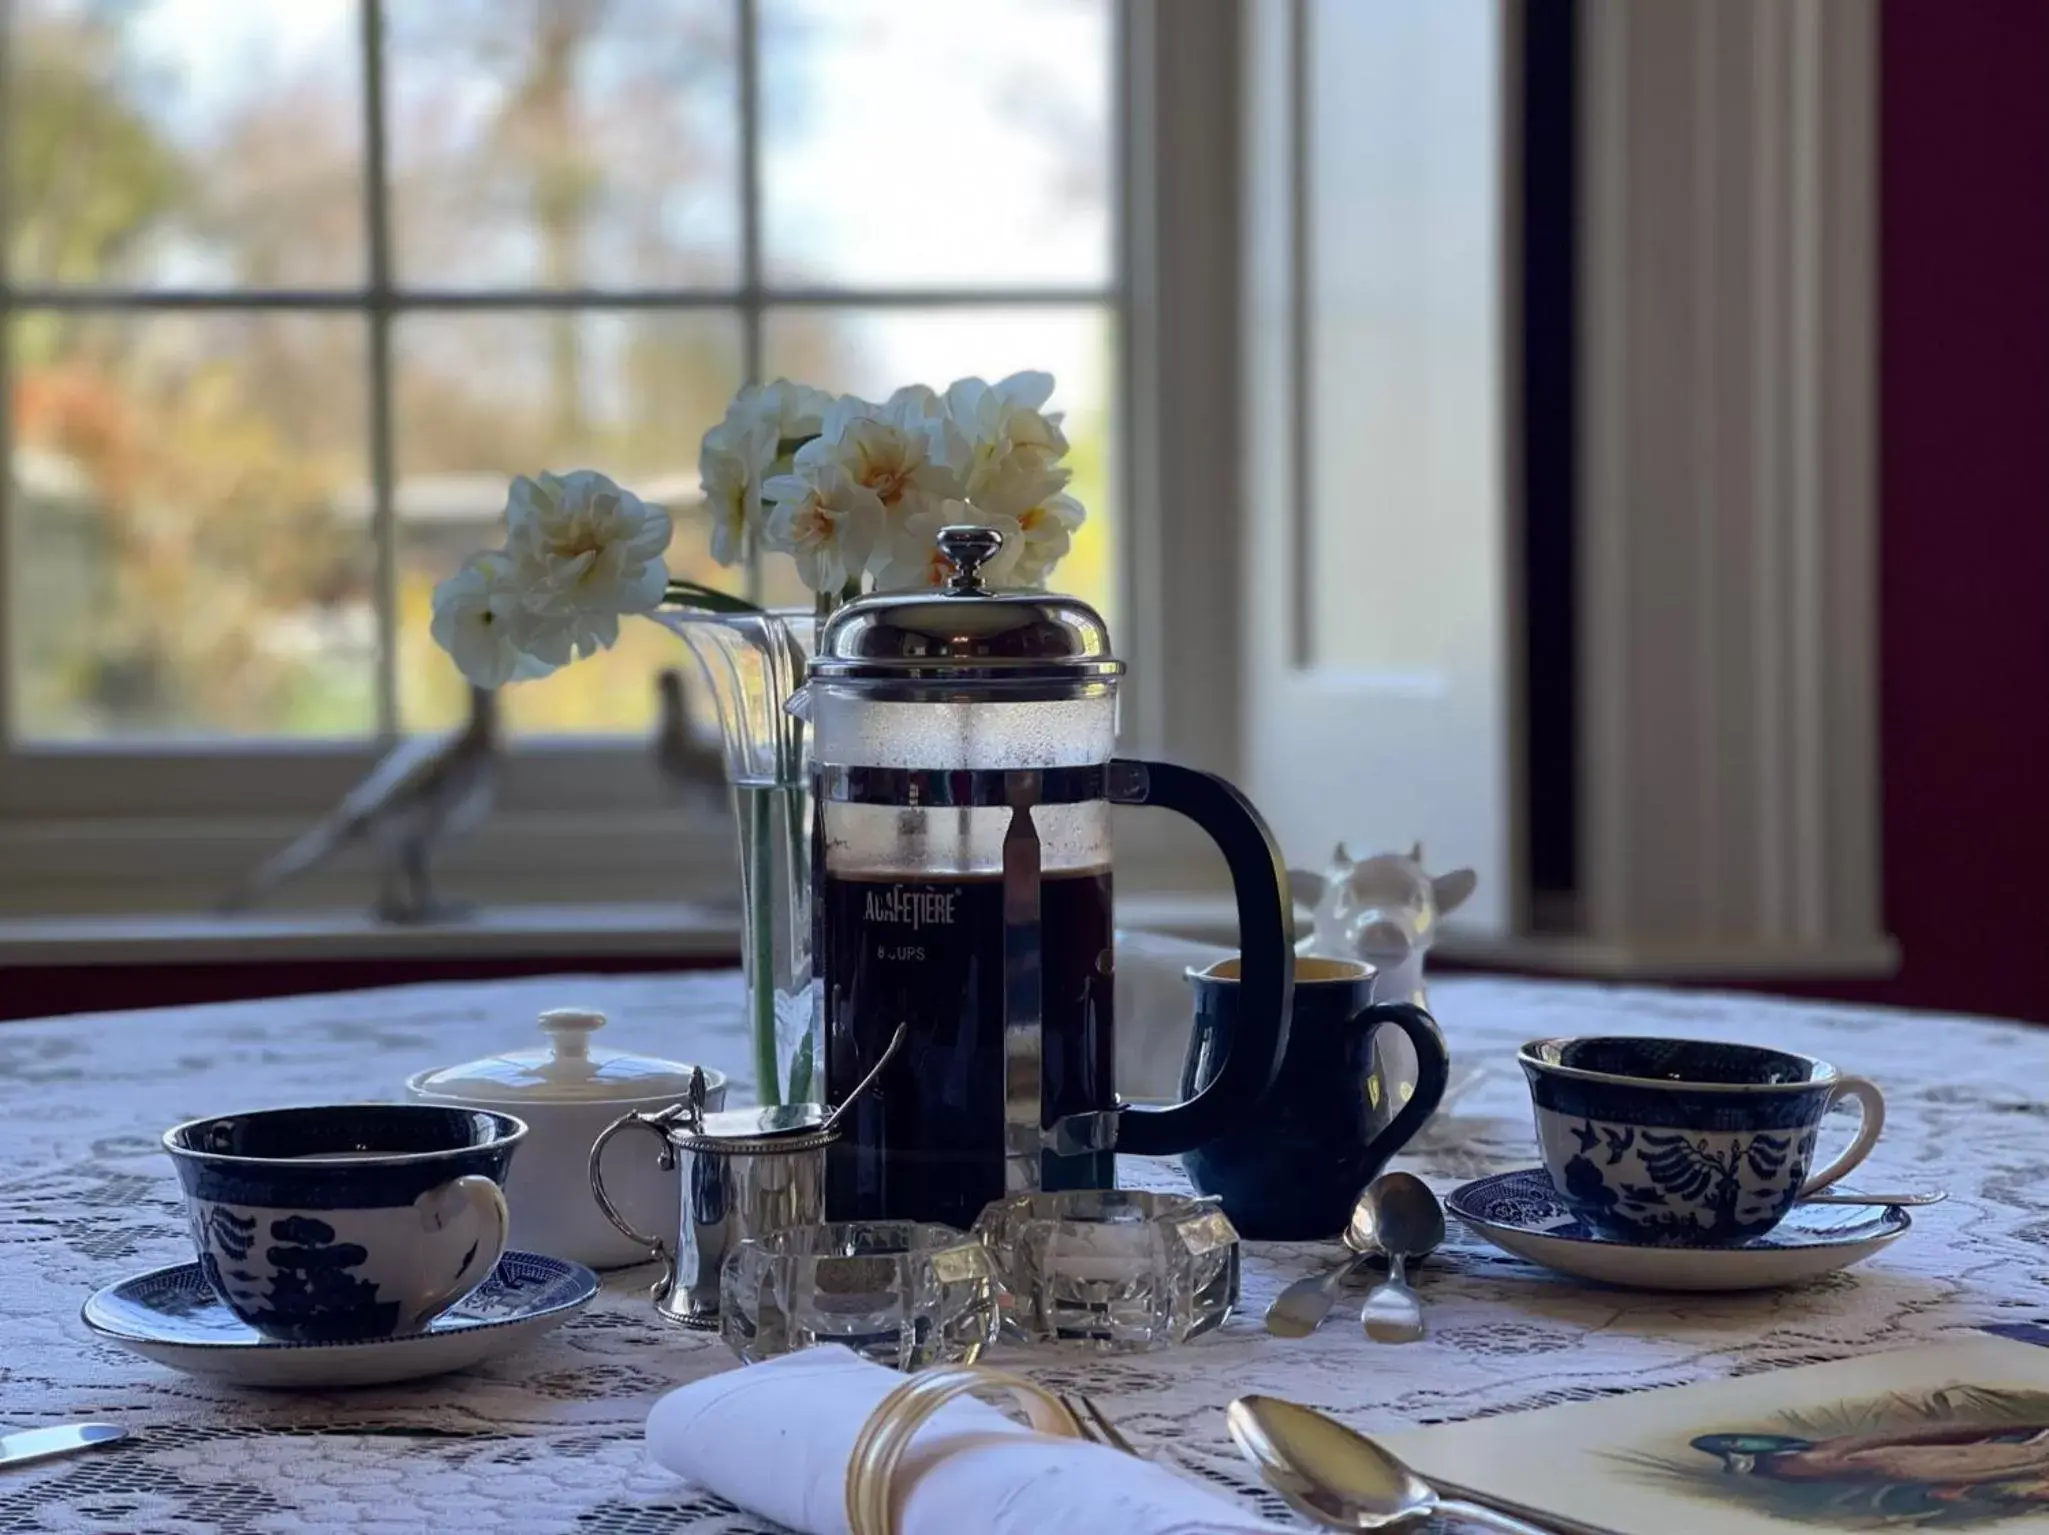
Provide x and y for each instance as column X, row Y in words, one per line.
column 1686, row 1143
column 345, row 1223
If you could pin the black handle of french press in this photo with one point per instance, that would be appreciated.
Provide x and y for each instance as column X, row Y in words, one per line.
column 1266, row 937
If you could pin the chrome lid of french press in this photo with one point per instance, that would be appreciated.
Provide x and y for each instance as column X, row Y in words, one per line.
column 968, row 639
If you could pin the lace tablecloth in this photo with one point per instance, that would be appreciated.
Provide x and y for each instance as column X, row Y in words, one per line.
column 550, row 1440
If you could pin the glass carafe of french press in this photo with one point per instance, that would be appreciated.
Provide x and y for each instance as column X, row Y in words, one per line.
column 962, row 742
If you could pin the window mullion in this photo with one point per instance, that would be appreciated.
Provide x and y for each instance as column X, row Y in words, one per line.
column 377, row 224
column 6, row 400
column 748, row 20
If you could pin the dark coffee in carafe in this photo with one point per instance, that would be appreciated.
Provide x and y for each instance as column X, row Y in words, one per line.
column 926, row 1142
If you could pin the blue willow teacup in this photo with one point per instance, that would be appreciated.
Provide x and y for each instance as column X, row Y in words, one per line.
column 1687, row 1143
column 345, row 1223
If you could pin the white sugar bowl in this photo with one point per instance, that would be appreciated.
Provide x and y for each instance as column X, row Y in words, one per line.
column 567, row 1093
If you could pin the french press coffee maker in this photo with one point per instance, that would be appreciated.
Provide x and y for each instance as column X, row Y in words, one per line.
column 962, row 750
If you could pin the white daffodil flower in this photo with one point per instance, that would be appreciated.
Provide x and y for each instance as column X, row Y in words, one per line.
column 1021, row 488
column 480, row 619
column 1005, row 431
column 915, row 402
column 731, row 464
column 1048, row 530
column 556, row 639
column 826, row 519
column 587, row 550
column 794, row 410
column 888, row 450
column 912, row 558
column 849, row 488
column 1046, row 517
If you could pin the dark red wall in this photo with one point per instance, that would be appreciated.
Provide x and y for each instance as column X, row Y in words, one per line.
column 1964, row 467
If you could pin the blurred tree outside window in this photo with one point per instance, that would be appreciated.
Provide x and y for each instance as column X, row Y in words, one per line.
column 269, row 356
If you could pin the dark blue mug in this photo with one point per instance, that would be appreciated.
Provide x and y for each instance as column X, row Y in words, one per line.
column 1332, row 1118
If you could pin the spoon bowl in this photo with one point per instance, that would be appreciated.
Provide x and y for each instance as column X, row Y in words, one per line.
column 1341, row 1479
column 1396, row 1213
column 1399, row 1215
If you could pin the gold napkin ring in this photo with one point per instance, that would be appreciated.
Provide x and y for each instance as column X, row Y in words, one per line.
column 879, row 1448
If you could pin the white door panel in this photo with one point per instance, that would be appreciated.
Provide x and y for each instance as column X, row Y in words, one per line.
column 1377, row 689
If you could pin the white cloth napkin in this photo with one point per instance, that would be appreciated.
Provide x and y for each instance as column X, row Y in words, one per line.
column 775, row 1438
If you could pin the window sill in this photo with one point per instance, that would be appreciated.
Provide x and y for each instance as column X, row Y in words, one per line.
column 687, row 931
column 585, row 931
column 590, row 930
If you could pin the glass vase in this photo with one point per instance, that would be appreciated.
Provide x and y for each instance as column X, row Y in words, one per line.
column 752, row 663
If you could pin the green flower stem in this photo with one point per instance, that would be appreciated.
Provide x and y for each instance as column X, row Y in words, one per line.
column 707, row 599
column 761, row 813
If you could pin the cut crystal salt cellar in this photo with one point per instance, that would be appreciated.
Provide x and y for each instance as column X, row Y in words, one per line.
column 1114, row 1269
column 902, row 1293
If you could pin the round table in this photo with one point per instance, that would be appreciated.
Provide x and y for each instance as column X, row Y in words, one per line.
column 550, row 1440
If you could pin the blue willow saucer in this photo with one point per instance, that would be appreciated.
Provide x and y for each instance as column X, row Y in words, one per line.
column 1521, row 1213
column 173, row 1316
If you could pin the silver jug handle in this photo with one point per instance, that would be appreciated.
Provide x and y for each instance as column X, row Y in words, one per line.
column 658, row 1124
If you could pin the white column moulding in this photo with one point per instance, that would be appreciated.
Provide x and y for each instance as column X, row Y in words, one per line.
column 1728, row 521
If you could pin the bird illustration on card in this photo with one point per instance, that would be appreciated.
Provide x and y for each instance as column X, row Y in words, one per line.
column 1954, row 1457
column 1948, row 1436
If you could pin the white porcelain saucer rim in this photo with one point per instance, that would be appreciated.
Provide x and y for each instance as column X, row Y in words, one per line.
column 586, row 1281
column 1891, row 1223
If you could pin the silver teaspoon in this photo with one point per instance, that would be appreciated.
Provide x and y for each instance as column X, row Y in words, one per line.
column 1341, row 1479
column 896, row 1043
column 1300, row 1309
column 1854, row 1197
column 1404, row 1220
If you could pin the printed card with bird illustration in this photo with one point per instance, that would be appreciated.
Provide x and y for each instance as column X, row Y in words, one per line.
column 1951, row 1436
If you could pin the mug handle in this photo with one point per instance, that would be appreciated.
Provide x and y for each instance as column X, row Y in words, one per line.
column 657, row 1124
column 1266, row 942
column 1433, row 1071
column 475, row 1198
column 1871, row 1121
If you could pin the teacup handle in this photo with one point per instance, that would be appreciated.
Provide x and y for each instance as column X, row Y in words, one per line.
column 475, row 1198
column 1871, row 1121
column 657, row 1124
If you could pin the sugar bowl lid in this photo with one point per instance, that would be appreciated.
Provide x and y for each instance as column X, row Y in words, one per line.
column 566, row 1070
column 968, row 632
